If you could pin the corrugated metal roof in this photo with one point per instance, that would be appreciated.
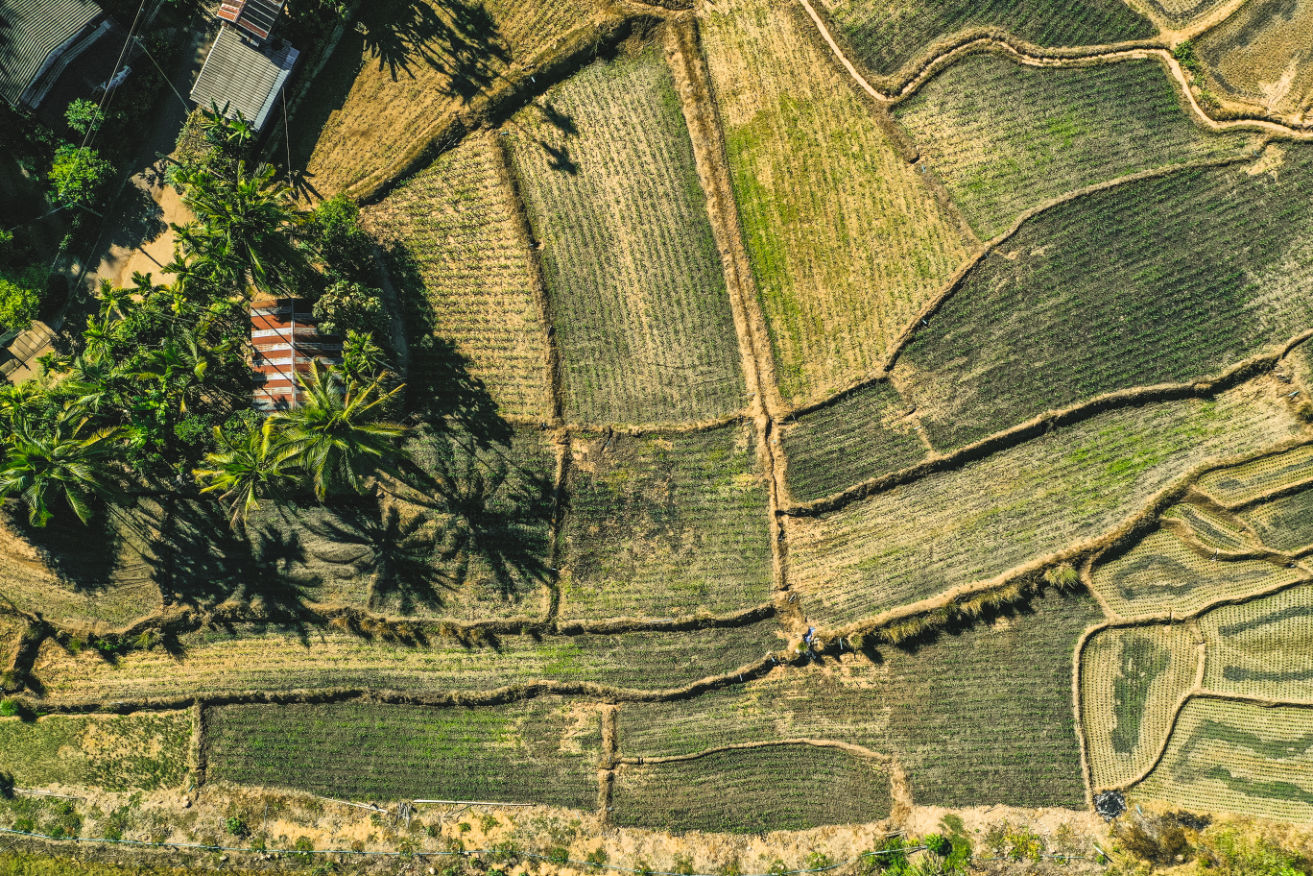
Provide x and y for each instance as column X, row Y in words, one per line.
column 243, row 77
column 286, row 341
column 30, row 30
column 254, row 16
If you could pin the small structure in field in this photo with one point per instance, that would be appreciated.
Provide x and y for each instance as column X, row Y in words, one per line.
column 286, row 341
column 39, row 39
column 245, row 71
column 255, row 17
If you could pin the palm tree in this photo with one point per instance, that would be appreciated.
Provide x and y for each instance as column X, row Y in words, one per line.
column 333, row 436
column 59, row 461
column 251, row 466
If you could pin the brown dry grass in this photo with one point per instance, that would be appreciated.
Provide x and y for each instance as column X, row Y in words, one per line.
column 1262, row 56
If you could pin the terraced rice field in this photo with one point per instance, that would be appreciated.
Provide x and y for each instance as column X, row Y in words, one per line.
column 846, row 241
column 641, row 313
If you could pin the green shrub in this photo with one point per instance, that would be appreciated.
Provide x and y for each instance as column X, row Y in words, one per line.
column 1188, row 58
column 347, row 306
column 236, row 826
column 8, row 707
column 20, row 301
column 78, row 174
column 83, row 114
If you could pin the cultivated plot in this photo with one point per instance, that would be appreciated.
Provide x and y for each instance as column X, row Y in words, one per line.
column 1007, row 137
column 458, row 248
column 1260, row 56
column 753, row 790
column 1015, row 506
column 114, row 752
column 1262, row 648
column 1234, row 757
column 254, row 660
column 975, row 715
column 1132, row 680
column 539, row 751
column 846, row 241
column 1164, row 280
column 862, row 435
column 1208, row 526
column 1263, row 476
column 405, row 71
column 1284, row 523
column 665, row 525
column 886, row 36
column 641, row 312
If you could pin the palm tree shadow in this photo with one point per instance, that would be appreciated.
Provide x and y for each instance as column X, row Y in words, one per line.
column 463, row 43
column 82, row 557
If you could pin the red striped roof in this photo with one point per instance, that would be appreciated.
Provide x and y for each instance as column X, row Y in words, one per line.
column 286, row 342
column 256, row 17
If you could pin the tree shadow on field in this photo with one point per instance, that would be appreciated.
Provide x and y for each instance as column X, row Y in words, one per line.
column 955, row 626
column 459, row 39
column 82, row 557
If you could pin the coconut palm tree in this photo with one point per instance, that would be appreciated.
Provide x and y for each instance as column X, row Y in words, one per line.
column 59, row 461
column 251, row 466
column 334, row 437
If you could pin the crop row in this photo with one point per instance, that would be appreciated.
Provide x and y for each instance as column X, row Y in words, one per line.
column 663, row 526
column 1239, row 484
column 1284, row 523
column 638, row 292
column 1262, row 648
column 1209, row 527
column 1006, row 137
column 975, row 522
column 1167, row 279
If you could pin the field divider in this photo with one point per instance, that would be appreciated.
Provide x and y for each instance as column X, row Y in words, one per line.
column 1040, row 424
column 644, row 430
column 607, row 763
column 850, row 747
column 698, row 621
column 1182, row 532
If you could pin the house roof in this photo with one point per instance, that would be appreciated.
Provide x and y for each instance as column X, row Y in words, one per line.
column 256, row 17
column 242, row 77
column 286, row 341
column 30, row 32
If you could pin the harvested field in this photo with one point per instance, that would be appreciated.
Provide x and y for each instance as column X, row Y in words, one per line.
column 1270, row 473
column 1161, row 574
column 1241, row 758
column 662, row 526
column 1163, row 280
column 1180, row 13
column 972, row 523
column 113, row 752
column 406, row 72
column 975, row 716
column 1286, row 523
column 886, row 35
column 641, row 312
column 1262, row 648
column 750, row 791
column 250, row 660
column 847, row 243
column 863, row 435
column 1210, row 527
column 457, row 243
column 1131, row 681
column 1263, row 56
column 541, row 751
column 1006, row 137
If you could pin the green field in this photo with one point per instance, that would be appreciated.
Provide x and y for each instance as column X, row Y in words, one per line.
column 846, row 241
column 860, row 436
column 1131, row 681
column 743, row 791
column 1005, row 137
column 1164, row 280
column 114, row 752
column 641, row 313
column 252, row 660
column 456, row 243
column 1014, row 506
column 542, row 751
column 975, row 716
column 886, row 36
column 1241, row 758
column 662, row 526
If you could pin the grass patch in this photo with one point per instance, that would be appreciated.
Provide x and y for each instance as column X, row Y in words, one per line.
column 752, row 791
column 638, row 293
column 541, row 751
column 113, row 752
column 1006, row 137
column 664, row 526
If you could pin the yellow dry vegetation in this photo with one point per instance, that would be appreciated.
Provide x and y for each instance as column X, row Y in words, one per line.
column 407, row 71
column 453, row 228
column 847, row 243
column 1262, row 648
column 1263, row 56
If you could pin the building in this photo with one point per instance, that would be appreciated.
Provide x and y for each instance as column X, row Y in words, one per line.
column 256, row 17
column 245, row 71
column 286, row 341
column 38, row 41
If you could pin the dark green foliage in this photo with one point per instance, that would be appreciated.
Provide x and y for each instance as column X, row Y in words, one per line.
column 78, row 174
column 83, row 114
column 885, row 39
column 852, row 440
column 535, row 752
column 1142, row 662
column 350, row 307
column 1164, row 280
column 785, row 787
column 1188, row 58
